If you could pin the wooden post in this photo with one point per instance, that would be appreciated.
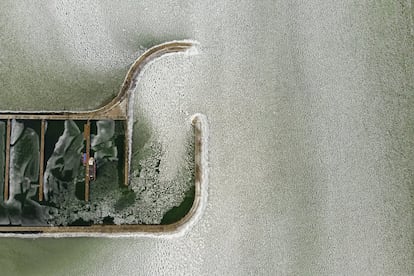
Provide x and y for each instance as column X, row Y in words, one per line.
column 42, row 158
column 126, row 154
column 87, row 133
column 7, row 163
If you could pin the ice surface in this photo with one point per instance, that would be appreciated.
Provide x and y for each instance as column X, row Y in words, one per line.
column 155, row 194
column 310, row 107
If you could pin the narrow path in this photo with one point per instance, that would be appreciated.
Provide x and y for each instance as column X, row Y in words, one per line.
column 7, row 163
column 87, row 134
column 42, row 158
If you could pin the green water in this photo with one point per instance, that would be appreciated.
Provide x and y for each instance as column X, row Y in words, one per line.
column 177, row 213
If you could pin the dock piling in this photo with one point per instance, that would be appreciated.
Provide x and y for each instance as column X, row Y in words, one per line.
column 42, row 158
column 7, row 163
column 87, row 134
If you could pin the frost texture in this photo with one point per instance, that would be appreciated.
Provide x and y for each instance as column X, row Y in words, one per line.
column 154, row 195
column 145, row 202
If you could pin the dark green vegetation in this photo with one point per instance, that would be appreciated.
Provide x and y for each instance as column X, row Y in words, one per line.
column 177, row 213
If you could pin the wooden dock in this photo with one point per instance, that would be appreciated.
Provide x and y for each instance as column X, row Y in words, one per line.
column 87, row 134
column 7, row 163
column 126, row 155
column 117, row 110
column 42, row 158
column 201, row 151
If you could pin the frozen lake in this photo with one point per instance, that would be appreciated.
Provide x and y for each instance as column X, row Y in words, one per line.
column 311, row 130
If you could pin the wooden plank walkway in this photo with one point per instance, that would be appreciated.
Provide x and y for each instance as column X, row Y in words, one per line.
column 87, row 134
column 7, row 163
column 42, row 158
column 201, row 151
column 126, row 155
column 117, row 109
